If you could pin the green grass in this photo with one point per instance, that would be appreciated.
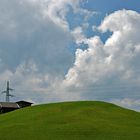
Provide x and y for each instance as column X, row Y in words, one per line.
column 85, row 120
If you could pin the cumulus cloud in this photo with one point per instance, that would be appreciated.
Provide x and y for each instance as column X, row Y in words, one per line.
column 35, row 39
column 35, row 52
column 78, row 35
column 57, row 11
column 113, row 63
column 26, row 35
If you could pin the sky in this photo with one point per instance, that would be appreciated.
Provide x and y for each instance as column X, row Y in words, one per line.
column 71, row 50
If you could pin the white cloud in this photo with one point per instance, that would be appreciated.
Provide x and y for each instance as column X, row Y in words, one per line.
column 57, row 10
column 29, row 36
column 35, row 32
column 34, row 42
column 34, row 52
column 114, row 63
column 78, row 35
column 128, row 103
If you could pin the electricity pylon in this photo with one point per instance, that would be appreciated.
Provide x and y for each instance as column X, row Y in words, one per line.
column 7, row 91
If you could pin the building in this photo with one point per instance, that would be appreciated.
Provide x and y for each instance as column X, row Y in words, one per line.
column 11, row 106
column 23, row 104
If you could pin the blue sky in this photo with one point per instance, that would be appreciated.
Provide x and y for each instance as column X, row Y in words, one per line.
column 109, row 6
column 71, row 50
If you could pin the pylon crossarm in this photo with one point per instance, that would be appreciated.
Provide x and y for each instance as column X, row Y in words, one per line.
column 4, row 92
column 10, row 89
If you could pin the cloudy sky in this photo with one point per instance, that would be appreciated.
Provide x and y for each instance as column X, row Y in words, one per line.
column 69, row 50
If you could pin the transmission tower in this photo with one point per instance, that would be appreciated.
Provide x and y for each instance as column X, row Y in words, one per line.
column 7, row 92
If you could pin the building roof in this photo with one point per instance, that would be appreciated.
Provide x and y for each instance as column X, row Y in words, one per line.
column 9, row 105
column 24, row 102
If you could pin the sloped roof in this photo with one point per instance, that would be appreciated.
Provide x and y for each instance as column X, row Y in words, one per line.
column 24, row 102
column 9, row 105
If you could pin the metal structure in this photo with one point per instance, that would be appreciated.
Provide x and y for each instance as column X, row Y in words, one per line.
column 7, row 92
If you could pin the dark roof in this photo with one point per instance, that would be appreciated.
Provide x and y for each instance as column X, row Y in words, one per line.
column 24, row 102
column 9, row 105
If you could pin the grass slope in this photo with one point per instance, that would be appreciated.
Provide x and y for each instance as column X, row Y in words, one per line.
column 85, row 120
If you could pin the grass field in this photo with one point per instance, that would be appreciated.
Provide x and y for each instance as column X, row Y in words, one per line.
column 87, row 120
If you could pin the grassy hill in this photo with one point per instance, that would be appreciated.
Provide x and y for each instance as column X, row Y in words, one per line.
column 85, row 120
